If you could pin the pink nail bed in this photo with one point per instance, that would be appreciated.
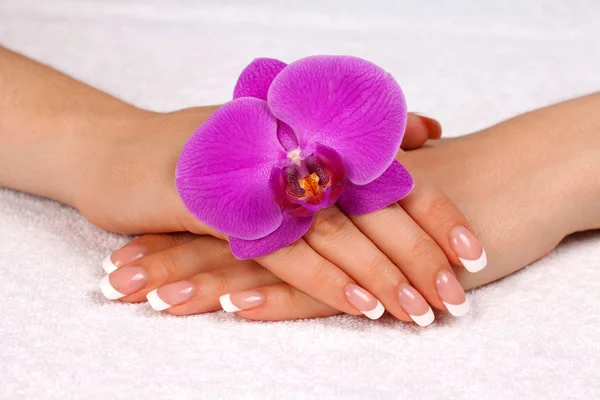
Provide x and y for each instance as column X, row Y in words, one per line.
column 364, row 301
column 123, row 256
column 240, row 301
column 170, row 295
column 124, row 281
column 415, row 305
column 452, row 294
column 468, row 249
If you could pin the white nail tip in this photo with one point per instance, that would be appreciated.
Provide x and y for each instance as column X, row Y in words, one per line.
column 107, row 265
column 475, row 265
column 458, row 310
column 425, row 319
column 108, row 291
column 375, row 313
column 156, row 302
column 227, row 305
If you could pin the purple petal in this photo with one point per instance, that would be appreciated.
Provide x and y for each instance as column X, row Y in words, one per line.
column 330, row 163
column 255, row 79
column 286, row 136
column 345, row 103
column 395, row 184
column 224, row 169
column 291, row 229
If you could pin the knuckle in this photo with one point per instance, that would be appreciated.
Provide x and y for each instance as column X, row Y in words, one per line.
column 385, row 213
column 165, row 264
column 439, row 209
column 286, row 297
column 423, row 247
column 219, row 282
column 376, row 265
column 330, row 222
column 321, row 275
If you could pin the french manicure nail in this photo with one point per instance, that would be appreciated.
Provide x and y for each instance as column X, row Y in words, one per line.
column 452, row 294
column 468, row 249
column 415, row 305
column 240, row 301
column 123, row 256
column 170, row 295
column 364, row 301
column 124, row 281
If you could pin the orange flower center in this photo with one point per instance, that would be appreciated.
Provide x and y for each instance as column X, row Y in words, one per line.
column 310, row 184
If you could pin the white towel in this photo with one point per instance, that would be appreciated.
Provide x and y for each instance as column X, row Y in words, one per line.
column 534, row 335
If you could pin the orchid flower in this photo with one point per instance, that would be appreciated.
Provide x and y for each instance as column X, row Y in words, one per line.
column 297, row 138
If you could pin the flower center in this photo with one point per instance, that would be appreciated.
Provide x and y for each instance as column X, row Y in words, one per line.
column 307, row 184
column 310, row 184
column 295, row 156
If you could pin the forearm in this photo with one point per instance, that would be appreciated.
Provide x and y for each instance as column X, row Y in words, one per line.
column 52, row 127
column 561, row 144
column 525, row 183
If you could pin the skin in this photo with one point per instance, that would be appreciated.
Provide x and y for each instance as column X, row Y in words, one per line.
column 512, row 181
column 117, row 167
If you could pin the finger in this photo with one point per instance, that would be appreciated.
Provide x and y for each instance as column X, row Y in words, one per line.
column 444, row 222
column 420, row 129
column 143, row 246
column 418, row 256
column 131, row 283
column 336, row 238
column 277, row 302
column 200, row 293
column 300, row 266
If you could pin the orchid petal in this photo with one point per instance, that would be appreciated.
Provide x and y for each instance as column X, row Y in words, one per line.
column 286, row 136
column 224, row 170
column 255, row 79
column 393, row 185
column 291, row 229
column 347, row 104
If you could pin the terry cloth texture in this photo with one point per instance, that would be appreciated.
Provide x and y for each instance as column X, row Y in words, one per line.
column 534, row 335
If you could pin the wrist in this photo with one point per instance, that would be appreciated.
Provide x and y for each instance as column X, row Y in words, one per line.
column 127, row 180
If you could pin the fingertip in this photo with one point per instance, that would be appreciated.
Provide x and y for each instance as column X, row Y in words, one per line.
column 430, row 125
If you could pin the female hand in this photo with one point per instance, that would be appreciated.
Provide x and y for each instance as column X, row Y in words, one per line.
column 117, row 166
column 338, row 251
column 192, row 272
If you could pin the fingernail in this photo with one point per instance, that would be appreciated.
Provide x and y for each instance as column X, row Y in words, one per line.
column 124, row 281
column 364, row 301
column 422, row 115
column 123, row 256
column 240, row 301
column 415, row 305
column 452, row 294
column 170, row 295
column 468, row 249
column 433, row 125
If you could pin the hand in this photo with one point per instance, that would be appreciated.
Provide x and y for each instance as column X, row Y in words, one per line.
column 533, row 193
column 117, row 167
column 329, row 242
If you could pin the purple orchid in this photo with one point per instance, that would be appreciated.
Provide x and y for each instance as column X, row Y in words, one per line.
column 297, row 138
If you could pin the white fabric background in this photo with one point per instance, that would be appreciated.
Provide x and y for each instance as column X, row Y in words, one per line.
column 533, row 335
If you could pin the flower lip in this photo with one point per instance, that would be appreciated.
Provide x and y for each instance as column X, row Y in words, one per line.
column 308, row 182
